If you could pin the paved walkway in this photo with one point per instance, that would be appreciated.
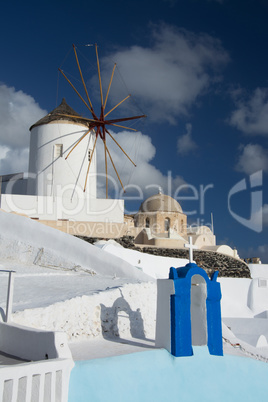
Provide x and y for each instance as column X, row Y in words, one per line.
column 99, row 348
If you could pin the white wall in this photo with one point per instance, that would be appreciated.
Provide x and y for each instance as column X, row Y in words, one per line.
column 198, row 310
column 258, row 270
column 243, row 298
column 20, row 231
column 254, row 331
column 234, row 302
column 165, row 288
column 258, row 296
column 49, row 360
column 155, row 266
column 123, row 312
column 30, row 344
column 223, row 249
column 53, row 208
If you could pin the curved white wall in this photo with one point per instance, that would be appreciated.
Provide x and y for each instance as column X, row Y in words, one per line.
column 223, row 249
column 54, row 176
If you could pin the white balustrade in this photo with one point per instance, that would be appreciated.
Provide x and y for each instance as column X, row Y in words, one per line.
column 43, row 381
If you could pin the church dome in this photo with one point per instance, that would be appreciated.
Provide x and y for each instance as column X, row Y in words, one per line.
column 62, row 112
column 160, row 203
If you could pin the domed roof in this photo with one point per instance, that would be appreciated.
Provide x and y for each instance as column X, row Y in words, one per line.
column 57, row 114
column 160, row 203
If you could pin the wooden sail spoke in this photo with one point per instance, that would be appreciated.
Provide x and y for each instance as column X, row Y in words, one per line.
column 120, row 147
column 106, row 167
column 108, row 90
column 124, row 119
column 79, row 118
column 77, row 92
column 117, row 105
column 115, row 169
column 98, row 64
column 78, row 142
column 82, row 78
column 128, row 128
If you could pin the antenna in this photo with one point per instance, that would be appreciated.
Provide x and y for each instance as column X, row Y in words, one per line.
column 212, row 224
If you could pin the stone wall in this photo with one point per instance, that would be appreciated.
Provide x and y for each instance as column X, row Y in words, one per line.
column 210, row 261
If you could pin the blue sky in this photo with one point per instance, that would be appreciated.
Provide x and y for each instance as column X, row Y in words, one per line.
column 196, row 68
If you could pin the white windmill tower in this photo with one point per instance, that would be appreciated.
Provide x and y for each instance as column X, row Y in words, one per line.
column 52, row 139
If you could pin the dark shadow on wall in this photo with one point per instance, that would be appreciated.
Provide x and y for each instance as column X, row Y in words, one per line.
column 110, row 322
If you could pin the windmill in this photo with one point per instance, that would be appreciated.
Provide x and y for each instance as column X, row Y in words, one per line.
column 100, row 124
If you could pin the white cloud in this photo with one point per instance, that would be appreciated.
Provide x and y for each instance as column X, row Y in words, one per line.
column 18, row 111
column 251, row 114
column 14, row 161
column 145, row 179
column 168, row 77
column 262, row 252
column 3, row 152
column 185, row 143
column 253, row 157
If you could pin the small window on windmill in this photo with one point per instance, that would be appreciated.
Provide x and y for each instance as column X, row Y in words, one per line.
column 89, row 155
column 58, row 150
column 262, row 283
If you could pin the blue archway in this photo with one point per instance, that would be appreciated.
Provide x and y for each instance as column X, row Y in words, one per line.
column 181, row 338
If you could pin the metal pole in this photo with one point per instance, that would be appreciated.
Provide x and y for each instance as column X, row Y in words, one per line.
column 10, row 292
column 212, row 223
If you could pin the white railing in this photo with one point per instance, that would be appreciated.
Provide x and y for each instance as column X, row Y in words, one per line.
column 46, row 377
column 43, row 381
column 39, row 380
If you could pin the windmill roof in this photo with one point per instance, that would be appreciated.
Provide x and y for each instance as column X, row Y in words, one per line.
column 56, row 113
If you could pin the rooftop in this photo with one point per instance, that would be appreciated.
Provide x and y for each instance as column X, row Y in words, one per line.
column 62, row 112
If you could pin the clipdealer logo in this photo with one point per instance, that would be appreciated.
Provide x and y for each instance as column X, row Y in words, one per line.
column 255, row 221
